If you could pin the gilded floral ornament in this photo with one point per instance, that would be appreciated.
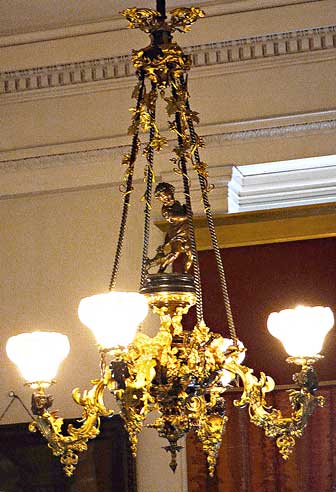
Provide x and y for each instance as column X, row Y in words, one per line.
column 164, row 62
column 163, row 65
column 68, row 446
column 145, row 19
column 283, row 429
column 182, row 18
column 149, row 20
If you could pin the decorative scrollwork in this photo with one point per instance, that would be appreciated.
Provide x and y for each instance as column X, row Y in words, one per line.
column 149, row 20
column 178, row 374
column 303, row 402
column 50, row 425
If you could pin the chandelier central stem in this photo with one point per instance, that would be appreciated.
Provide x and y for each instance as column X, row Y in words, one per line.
column 161, row 7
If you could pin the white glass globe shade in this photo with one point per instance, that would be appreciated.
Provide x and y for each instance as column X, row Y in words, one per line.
column 301, row 330
column 228, row 376
column 113, row 317
column 38, row 354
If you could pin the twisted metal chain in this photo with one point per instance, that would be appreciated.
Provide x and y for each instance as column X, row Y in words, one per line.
column 186, row 186
column 148, row 197
column 129, row 188
column 213, row 235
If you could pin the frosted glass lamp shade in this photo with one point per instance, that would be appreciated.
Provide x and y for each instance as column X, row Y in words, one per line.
column 227, row 375
column 113, row 317
column 38, row 354
column 301, row 330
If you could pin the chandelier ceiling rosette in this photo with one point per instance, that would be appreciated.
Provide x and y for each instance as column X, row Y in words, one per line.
column 181, row 374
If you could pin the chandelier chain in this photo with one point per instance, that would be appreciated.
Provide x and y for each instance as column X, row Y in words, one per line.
column 129, row 188
column 148, row 197
column 213, row 235
column 186, row 186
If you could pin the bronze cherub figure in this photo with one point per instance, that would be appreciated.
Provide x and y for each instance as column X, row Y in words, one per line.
column 177, row 241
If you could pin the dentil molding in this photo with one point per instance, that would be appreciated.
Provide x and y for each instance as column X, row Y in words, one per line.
column 299, row 46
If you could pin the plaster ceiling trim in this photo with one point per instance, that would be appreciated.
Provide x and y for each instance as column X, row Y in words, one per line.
column 116, row 23
column 96, row 151
column 214, row 134
column 97, row 167
column 259, row 52
column 94, row 171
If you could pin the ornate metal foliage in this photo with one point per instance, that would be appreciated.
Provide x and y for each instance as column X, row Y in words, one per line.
column 178, row 374
column 149, row 20
column 50, row 425
column 162, row 61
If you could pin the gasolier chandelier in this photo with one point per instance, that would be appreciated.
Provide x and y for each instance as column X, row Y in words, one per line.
column 181, row 374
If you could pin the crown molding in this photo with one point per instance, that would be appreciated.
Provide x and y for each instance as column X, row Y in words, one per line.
column 67, row 169
column 215, row 135
column 271, row 132
column 117, row 23
column 293, row 47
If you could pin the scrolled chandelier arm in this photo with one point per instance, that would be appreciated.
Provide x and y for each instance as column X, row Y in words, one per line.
column 303, row 402
column 181, row 374
column 67, row 446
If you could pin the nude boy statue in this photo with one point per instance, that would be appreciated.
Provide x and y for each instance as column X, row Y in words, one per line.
column 176, row 242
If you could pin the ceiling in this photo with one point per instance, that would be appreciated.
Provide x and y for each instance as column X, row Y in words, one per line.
column 22, row 16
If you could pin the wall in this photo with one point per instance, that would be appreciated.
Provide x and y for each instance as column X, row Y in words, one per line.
column 266, row 278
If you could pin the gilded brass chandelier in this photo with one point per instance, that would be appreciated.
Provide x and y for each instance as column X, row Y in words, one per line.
column 181, row 374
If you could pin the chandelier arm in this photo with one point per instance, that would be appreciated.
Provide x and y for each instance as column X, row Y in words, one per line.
column 75, row 440
column 212, row 230
column 303, row 402
column 186, row 186
column 148, row 193
column 129, row 184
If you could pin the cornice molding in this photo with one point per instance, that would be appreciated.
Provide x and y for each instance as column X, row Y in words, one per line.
column 72, row 167
column 50, row 161
column 299, row 46
column 214, row 135
column 276, row 131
